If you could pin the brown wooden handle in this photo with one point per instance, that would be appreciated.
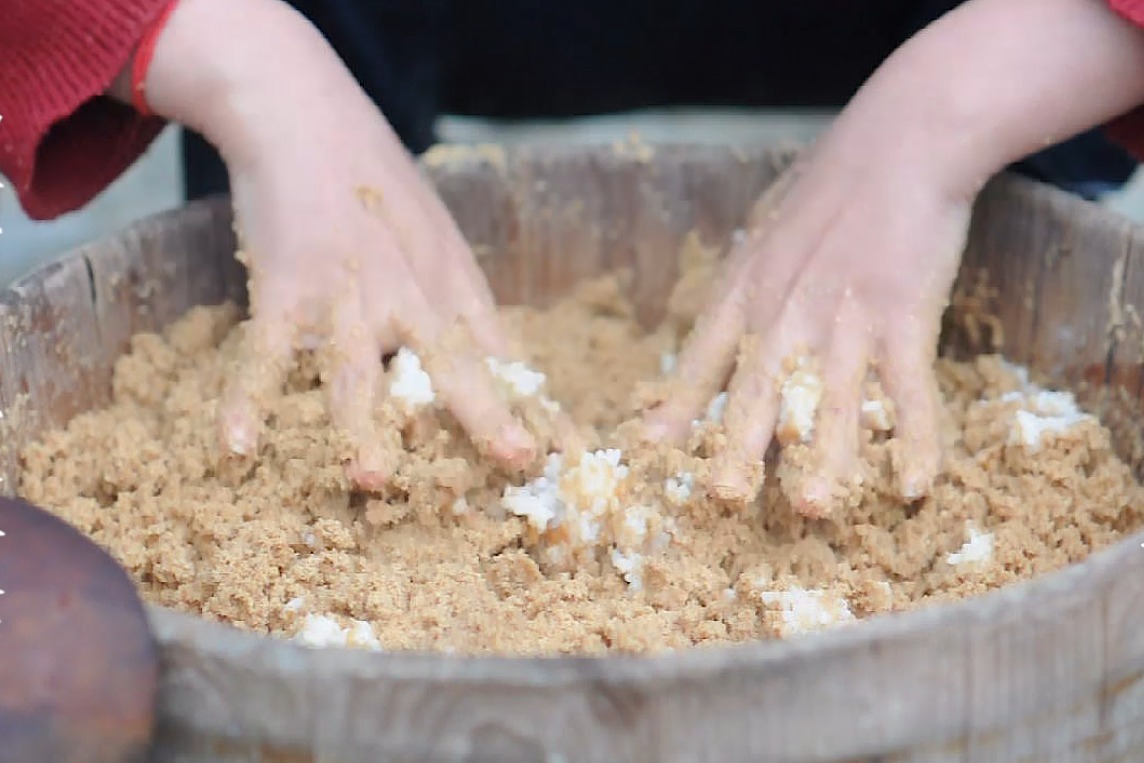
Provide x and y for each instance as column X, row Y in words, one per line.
column 78, row 663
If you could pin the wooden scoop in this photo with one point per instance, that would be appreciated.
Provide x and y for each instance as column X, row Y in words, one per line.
column 78, row 664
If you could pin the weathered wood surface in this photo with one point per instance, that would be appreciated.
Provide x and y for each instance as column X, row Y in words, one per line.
column 1052, row 670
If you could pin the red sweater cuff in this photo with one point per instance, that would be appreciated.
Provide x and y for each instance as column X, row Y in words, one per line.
column 1133, row 10
column 1128, row 130
column 61, row 141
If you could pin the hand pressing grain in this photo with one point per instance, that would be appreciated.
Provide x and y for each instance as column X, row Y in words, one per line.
column 349, row 251
column 852, row 254
column 359, row 260
column 840, row 266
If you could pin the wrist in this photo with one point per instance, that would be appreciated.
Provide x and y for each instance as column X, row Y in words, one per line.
column 888, row 148
column 253, row 89
column 965, row 103
column 922, row 132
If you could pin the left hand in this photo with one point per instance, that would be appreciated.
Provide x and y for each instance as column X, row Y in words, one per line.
column 850, row 260
column 355, row 261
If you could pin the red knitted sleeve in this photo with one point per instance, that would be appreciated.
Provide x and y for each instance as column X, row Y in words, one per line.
column 61, row 141
column 1128, row 130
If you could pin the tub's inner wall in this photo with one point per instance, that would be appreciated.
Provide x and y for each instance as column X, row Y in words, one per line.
column 63, row 327
column 1067, row 281
column 540, row 219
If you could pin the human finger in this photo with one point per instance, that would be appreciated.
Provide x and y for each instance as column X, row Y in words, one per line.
column 352, row 367
column 749, row 419
column 257, row 373
column 466, row 387
column 702, row 367
column 835, row 439
column 906, row 366
column 415, row 223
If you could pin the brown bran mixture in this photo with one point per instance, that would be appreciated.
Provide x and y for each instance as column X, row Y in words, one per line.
column 437, row 561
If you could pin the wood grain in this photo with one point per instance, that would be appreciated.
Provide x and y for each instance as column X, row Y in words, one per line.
column 1051, row 670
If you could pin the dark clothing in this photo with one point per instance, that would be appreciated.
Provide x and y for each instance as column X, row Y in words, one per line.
column 517, row 59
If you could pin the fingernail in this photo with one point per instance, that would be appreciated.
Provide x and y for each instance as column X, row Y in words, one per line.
column 727, row 485
column 815, row 500
column 514, row 444
column 368, row 471
column 655, row 432
column 241, row 440
column 365, row 478
column 914, row 487
column 725, row 490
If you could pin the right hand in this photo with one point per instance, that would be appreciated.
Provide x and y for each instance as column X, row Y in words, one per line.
column 849, row 262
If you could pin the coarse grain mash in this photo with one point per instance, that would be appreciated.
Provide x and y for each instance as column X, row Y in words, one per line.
column 617, row 547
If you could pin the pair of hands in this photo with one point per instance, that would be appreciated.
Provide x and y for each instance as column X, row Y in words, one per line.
column 849, row 262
